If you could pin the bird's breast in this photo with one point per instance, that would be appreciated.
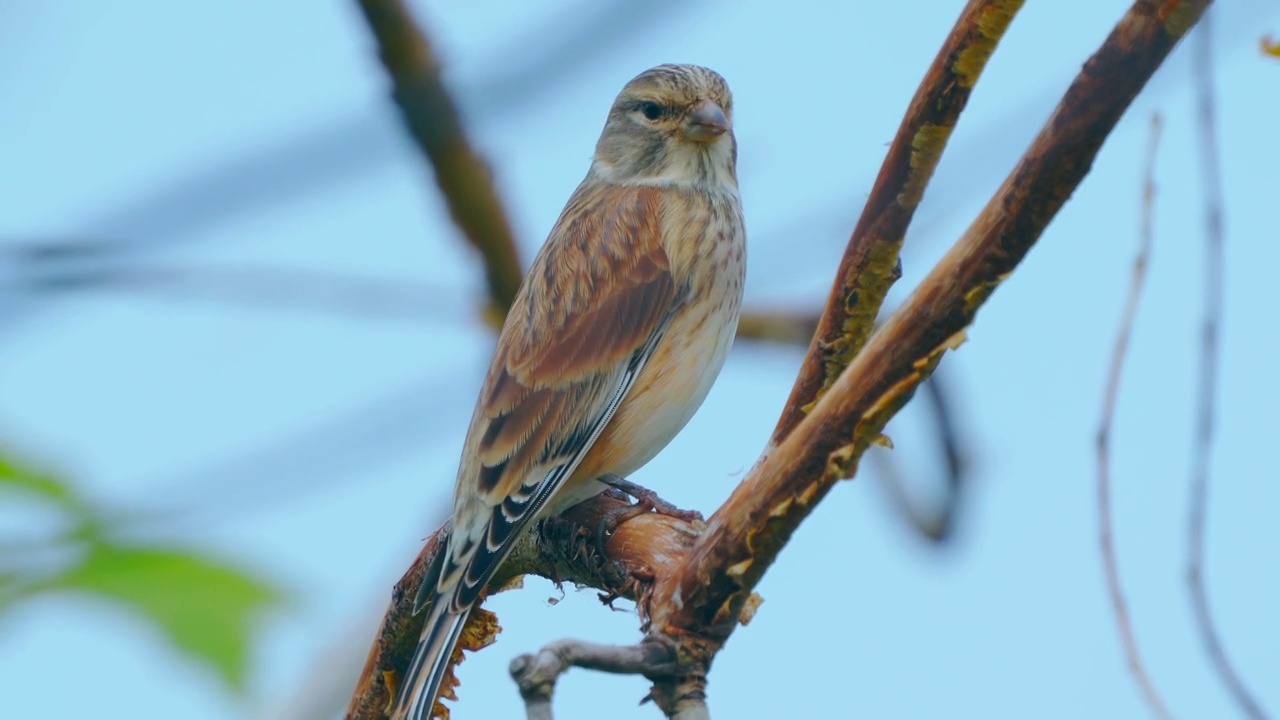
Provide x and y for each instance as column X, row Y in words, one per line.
column 707, row 247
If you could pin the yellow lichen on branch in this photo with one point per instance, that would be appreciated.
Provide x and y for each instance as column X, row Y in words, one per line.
column 993, row 20
column 870, row 264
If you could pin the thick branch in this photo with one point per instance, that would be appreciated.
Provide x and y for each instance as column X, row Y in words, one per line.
column 562, row 549
column 464, row 178
column 871, row 264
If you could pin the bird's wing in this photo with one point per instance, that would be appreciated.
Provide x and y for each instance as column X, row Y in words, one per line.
column 590, row 313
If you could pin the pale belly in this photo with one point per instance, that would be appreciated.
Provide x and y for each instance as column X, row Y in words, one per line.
column 684, row 366
column 669, row 390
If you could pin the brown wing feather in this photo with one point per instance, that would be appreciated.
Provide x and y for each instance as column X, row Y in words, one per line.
column 593, row 303
column 600, row 292
column 595, row 294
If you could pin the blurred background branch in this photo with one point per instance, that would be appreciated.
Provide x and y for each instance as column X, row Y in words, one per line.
column 1106, row 523
column 329, row 292
column 1202, row 444
column 936, row 521
column 465, row 180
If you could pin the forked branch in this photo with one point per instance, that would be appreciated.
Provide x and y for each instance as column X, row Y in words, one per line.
column 745, row 534
column 870, row 264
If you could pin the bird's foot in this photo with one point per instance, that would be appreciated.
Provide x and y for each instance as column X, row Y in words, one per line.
column 646, row 501
column 612, row 519
column 649, row 500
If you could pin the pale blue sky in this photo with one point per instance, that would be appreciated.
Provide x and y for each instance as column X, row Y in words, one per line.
column 318, row 448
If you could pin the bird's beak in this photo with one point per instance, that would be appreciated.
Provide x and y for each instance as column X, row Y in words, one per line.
column 706, row 123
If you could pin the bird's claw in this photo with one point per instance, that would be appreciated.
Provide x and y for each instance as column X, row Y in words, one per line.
column 612, row 519
column 646, row 501
column 649, row 500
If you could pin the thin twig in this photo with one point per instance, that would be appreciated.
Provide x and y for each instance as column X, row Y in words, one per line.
column 1105, row 520
column 464, row 178
column 1207, row 390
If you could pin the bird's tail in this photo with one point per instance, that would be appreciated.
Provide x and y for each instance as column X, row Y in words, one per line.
column 430, row 661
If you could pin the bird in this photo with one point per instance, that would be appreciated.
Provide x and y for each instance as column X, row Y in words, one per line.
column 612, row 343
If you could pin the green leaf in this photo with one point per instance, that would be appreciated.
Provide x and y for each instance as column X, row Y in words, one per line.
column 204, row 608
column 84, row 522
column 16, row 474
column 87, row 522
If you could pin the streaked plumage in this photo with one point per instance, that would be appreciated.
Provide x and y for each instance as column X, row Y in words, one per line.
column 614, row 340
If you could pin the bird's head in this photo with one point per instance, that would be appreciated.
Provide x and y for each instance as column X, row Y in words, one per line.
column 671, row 125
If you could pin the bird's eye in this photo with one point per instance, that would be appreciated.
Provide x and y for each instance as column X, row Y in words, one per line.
column 651, row 110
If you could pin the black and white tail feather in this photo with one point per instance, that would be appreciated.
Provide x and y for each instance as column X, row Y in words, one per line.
column 447, row 611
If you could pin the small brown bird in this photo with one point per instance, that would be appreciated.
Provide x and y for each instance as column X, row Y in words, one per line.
column 613, row 342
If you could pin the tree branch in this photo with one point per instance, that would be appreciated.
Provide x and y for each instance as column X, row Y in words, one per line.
column 871, row 264
column 536, row 673
column 464, row 178
column 1106, row 543
column 1207, row 390
column 562, row 549
column 934, row 525
column 699, row 605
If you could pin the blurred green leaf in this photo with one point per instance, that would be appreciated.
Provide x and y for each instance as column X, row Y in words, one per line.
column 18, row 475
column 85, row 520
column 204, row 608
